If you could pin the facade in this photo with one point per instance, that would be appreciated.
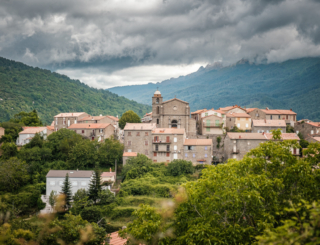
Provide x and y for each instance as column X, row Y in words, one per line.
column 196, row 115
column 198, row 151
column 172, row 113
column 307, row 128
column 79, row 180
column 64, row 120
column 261, row 126
column 236, row 145
column 94, row 119
column 1, row 132
column 127, row 155
column 288, row 115
column 28, row 133
column 147, row 118
column 241, row 120
column 108, row 176
column 234, row 109
column 212, row 124
column 94, row 131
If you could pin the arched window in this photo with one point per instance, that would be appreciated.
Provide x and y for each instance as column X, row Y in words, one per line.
column 158, row 109
column 174, row 124
column 157, row 100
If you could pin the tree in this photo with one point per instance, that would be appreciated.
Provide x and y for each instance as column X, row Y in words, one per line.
column 110, row 151
column 139, row 166
column 27, row 118
column 8, row 150
column 106, row 197
column 66, row 190
column 95, row 185
column 303, row 142
column 180, row 167
column 52, row 199
column 37, row 140
column 83, row 155
column 11, row 131
column 130, row 117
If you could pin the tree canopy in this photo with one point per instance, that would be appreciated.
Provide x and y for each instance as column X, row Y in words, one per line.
column 130, row 117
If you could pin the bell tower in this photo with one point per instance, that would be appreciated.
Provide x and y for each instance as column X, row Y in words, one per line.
column 156, row 105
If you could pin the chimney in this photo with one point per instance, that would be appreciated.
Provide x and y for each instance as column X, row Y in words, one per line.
column 290, row 109
column 110, row 170
column 267, row 108
column 239, row 136
column 262, row 133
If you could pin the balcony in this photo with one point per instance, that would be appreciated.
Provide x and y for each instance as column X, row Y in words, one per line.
column 161, row 142
column 161, row 151
column 212, row 125
column 235, row 152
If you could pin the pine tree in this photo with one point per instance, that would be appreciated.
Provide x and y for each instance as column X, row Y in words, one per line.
column 66, row 190
column 95, row 185
column 52, row 199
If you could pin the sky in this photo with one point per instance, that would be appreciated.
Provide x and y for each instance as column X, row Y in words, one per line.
column 107, row 43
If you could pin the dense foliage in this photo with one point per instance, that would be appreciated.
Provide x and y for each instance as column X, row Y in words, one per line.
column 290, row 84
column 24, row 88
column 130, row 117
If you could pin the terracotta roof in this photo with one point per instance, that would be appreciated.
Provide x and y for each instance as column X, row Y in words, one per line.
column 72, row 114
column 113, row 118
column 250, row 109
column 212, row 115
column 50, row 128
column 253, row 136
column 316, row 124
column 32, row 130
column 175, row 99
column 217, row 111
column 89, row 125
column 108, row 174
column 234, row 114
column 52, row 124
column 130, row 154
column 168, row 131
column 198, row 111
column 285, row 136
column 197, row 142
column 220, row 111
column 71, row 173
column 269, row 123
column 140, row 126
column 279, row 112
column 228, row 108
column 316, row 138
column 91, row 118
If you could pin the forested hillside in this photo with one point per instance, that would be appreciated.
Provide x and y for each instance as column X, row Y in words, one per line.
column 292, row 84
column 24, row 88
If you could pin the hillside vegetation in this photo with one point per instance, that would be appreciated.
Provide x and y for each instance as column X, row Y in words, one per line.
column 24, row 88
column 291, row 84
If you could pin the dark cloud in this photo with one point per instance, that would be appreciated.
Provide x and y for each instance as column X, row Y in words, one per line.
column 111, row 35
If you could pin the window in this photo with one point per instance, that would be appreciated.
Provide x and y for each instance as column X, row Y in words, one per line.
column 268, row 131
column 157, row 121
column 238, row 125
column 154, row 154
column 206, row 114
column 158, row 109
column 146, row 142
column 56, row 121
column 207, row 129
column 68, row 123
column 156, row 138
column 279, row 116
column 312, row 132
column 190, row 147
column 175, row 147
column 175, row 139
column 83, row 131
column 247, row 125
column 174, row 124
column 138, row 133
column 157, row 100
column 129, row 133
column 217, row 123
column 281, row 131
column 129, row 150
column 64, row 121
column 61, row 183
column 129, row 142
column 175, row 156
column 168, row 154
column 207, row 123
column 193, row 155
column 74, row 183
column 83, row 183
column 186, row 155
column 101, row 130
column 257, row 115
column 146, row 134
column 168, row 147
column 75, row 121
column 205, row 155
column 168, row 139
column 52, row 182
column 157, row 147
column 146, row 152
column 287, row 117
column 206, row 148
column 271, row 117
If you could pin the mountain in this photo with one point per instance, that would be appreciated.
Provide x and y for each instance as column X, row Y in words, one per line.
column 24, row 88
column 291, row 84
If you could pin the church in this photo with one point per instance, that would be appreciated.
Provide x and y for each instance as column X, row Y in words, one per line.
column 172, row 113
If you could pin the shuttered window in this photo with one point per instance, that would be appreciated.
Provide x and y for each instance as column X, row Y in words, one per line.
column 217, row 123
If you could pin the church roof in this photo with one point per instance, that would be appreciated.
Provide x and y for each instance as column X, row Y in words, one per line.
column 157, row 92
column 175, row 99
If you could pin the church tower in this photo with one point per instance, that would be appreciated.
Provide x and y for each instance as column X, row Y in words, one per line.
column 156, row 107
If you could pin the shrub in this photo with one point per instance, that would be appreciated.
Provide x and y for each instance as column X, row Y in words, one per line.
column 180, row 167
column 92, row 214
column 122, row 212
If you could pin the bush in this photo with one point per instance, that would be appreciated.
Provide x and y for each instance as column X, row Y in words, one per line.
column 180, row 167
column 92, row 214
column 122, row 212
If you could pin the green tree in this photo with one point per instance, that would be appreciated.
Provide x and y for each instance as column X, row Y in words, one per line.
column 109, row 151
column 180, row 167
column 137, row 166
column 95, row 185
column 106, row 197
column 8, row 150
column 83, row 155
column 37, row 140
column 66, row 190
column 11, row 131
column 27, row 118
column 312, row 153
column 52, row 198
column 130, row 117
column 303, row 142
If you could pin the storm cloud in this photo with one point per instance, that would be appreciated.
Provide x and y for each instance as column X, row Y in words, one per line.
column 114, row 42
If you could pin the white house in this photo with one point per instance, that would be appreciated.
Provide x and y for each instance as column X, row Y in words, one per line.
column 29, row 132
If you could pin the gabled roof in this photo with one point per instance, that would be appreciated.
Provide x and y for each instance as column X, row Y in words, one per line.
column 71, row 173
column 204, row 142
column 315, row 124
column 285, row 136
column 269, row 123
column 278, row 112
column 130, row 154
column 316, row 138
column 113, row 118
column 198, row 111
column 71, row 114
column 116, row 240
column 32, row 130
column 228, row 108
column 108, row 174
column 234, row 114
column 50, row 128
column 175, row 99
column 91, row 118
column 168, row 131
column 140, row 126
column 250, row 109
column 89, row 125
column 212, row 115
column 261, row 136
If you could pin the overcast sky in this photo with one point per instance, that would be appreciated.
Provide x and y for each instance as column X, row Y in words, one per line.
column 107, row 43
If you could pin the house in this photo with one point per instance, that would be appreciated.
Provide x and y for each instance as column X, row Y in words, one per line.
column 313, row 139
column 240, row 120
column 173, row 113
column 196, row 115
column 78, row 179
column 64, row 120
column 147, row 118
column 236, row 145
column 108, row 177
column 1, row 132
column 116, row 240
column 248, row 110
column 212, row 124
column 288, row 115
column 94, row 119
column 127, row 155
column 234, row 108
column 28, row 133
column 260, row 126
column 307, row 128
column 94, row 131
column 198, row 151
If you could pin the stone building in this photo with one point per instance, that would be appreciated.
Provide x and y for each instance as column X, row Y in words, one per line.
column 108, row 177
column 236, row 145
column 234, row 109
column 212, row 124
column 147, row 118
column 288, row 115
column 172, row 113
column 240, row 120
column 307, row 128
column 260, row 126
column 313, row 139
column 28, row 133
column 64, row 120
column 198, row 151
column 94, row 131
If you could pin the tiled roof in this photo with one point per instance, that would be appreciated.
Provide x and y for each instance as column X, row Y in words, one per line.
column 234, row 114
column 253, row 136
column 89, row 125
column 72, row 114
column 279, row 112
column 130, row 154
column 197, row 142
column 269, row 123
column 113, row 118
column 220, row 111
column 116, row 240
column 168, row 131
column 71, row 173
column 91, row 118
column 250, row 109
column 228, row 108
column 316, row 124
column 316, row 138
column 198, row 111
column 32, row 130
column 285, row 136
column 108, row 174
column 212, row 115
column 140, row 126
column 50, row 128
